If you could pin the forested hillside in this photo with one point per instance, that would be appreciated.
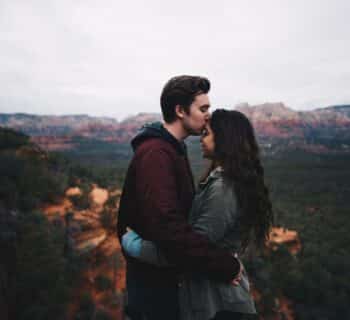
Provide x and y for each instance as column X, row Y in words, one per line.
column 47, row 252
column 311, row 195
column 48, row 218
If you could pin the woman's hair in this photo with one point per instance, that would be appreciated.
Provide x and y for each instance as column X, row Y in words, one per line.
column 237, row 151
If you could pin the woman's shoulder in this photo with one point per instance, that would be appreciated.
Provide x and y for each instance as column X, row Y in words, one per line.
column 217, row 181
column 216, row 186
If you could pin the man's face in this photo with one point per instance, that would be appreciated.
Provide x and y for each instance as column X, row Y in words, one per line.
column 194, row 122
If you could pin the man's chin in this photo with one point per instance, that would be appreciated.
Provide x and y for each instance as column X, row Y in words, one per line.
column 196, row 132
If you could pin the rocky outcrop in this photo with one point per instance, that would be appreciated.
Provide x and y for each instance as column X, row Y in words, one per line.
column 46, row 125
column 89, row 240
column 279, row 306
column 92, row 239
column 98, row 198
column 272, row 122
column 129, row 127
column 74, row 191
column 54, row 143
column 275, row 120
column 290, row 238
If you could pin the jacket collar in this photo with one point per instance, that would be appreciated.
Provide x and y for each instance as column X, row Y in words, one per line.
column 157, row 130
column 217, row 172
column 214, row 174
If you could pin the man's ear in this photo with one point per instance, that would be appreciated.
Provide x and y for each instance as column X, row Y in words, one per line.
column 179, row 111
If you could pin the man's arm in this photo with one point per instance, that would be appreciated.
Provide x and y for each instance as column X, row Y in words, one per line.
column 161, row 221
column 143, row 250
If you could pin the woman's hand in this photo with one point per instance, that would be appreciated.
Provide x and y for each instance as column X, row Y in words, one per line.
column 236, row 281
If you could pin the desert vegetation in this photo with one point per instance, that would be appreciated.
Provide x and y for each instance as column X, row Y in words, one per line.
column 62, row 243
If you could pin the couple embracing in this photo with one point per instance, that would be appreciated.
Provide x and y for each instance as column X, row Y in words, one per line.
column 182, row 246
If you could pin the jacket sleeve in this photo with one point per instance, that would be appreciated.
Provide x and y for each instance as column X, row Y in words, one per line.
column 161, row 221
column 143, row 250
column 150, row 253
column 218, row 212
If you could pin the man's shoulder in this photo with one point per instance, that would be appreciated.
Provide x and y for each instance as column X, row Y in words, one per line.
column 155, row 144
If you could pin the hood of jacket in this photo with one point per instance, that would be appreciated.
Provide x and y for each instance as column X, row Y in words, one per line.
column 157, row 130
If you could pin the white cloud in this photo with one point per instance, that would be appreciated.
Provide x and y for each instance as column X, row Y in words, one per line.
column 112, row 58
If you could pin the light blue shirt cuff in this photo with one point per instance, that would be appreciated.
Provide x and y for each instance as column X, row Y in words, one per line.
column 131, row 243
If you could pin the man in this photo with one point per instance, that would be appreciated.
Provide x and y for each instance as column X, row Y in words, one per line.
column 156, row 200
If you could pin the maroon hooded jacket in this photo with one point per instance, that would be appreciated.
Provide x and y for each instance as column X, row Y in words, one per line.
column 156, row 200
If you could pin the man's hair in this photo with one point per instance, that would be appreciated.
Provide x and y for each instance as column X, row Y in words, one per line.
column 181, row 90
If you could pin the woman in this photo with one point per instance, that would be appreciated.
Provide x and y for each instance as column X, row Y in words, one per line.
column 231, row 207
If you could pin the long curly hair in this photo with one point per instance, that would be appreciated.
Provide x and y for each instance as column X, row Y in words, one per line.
column 237, row 151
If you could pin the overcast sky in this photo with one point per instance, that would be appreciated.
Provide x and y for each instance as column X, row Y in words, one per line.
column 111, row 58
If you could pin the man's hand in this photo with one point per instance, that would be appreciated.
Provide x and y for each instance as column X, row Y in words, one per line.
column 237, row 279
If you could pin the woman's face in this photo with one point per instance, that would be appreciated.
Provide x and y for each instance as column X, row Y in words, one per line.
column 207, row 142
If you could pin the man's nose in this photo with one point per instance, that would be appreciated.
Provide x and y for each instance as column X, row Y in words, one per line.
column 207, row 116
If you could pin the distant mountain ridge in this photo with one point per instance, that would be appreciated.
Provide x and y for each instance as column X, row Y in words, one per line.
column 53, row 125
column 275, row 120
column 271, row 121
column 278, row 111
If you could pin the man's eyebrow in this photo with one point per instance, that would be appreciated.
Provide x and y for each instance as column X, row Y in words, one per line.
column 205, row 106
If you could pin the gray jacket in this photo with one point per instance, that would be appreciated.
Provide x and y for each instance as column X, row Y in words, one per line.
column 214, row 214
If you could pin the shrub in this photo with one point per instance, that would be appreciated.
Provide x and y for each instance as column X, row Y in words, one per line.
column 81, row 202
column 86, row 308
column 103, row 283
column 107, row 218
column 102, row 315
